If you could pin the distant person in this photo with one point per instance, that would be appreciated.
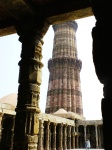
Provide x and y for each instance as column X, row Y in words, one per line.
column 87, row 144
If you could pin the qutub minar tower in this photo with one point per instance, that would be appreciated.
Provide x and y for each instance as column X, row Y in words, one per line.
column 64, row 88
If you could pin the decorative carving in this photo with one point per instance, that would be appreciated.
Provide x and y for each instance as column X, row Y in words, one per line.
column 69, row 62
column 27, row 121
column 64, row 91
column 32, row 139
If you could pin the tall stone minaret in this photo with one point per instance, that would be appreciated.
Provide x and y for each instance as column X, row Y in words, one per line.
column 64, row 90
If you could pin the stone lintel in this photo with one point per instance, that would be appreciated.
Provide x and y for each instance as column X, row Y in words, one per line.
column 56, row 119
column 90, row 122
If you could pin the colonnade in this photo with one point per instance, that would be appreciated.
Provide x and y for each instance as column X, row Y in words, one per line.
column 56, row 135
column 93, row 132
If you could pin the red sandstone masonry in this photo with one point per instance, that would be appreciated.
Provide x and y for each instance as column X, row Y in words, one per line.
column 64, row 67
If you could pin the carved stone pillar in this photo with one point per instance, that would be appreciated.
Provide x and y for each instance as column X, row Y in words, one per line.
column 84, row 133
column 65, row 137
column 73, row 138
column 96, row 132
column 41, row 134
column 69, row 137
column 54, row 137
column 26, row 129
column 102, row 144
column 99, row 136
column 60, row 137
column 77, row 137
column 47, row 136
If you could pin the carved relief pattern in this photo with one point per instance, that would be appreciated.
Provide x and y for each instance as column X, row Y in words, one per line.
column 27, row 121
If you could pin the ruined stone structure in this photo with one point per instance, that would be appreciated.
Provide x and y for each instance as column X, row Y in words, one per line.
column 61, row 130
column 64, row 82
column 57, row 131
column 30, row 19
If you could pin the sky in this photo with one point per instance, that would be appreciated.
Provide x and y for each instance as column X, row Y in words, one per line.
column 92, row 89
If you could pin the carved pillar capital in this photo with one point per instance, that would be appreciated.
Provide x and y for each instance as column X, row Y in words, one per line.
column 31, row 26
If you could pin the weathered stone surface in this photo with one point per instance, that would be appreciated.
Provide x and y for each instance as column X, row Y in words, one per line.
column 55, row 11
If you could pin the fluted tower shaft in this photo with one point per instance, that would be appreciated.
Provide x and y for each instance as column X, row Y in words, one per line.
column 64, row 90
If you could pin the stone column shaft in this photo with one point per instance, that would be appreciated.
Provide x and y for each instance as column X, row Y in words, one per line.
column 77, row 138
column 73, row 138
column 54, row 137
column 99, row 137
column 47, row 136
column 69, row 137
column 60, row 137
column 96, row 132
column 84, row 133
column 65, row 137
column 26, row 130
column 41, row 135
